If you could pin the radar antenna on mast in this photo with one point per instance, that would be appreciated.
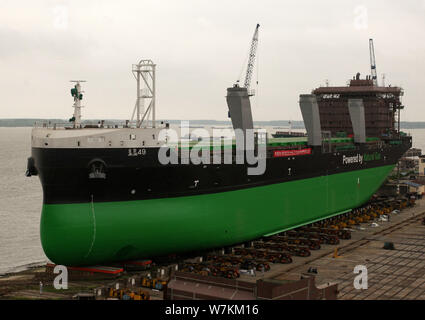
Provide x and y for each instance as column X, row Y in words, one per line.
column 373, row 63
column 77, row 94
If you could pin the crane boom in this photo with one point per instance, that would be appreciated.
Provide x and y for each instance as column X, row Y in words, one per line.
column 251, row 59
column 373, row 63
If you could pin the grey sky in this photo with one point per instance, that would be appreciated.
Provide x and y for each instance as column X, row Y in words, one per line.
column 200, row 47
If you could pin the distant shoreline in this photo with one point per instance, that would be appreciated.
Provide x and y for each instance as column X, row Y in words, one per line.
column 276, row 123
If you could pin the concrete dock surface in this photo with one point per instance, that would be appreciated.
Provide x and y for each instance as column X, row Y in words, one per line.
column 392, row 274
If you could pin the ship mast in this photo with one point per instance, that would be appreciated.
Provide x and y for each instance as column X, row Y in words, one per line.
column 77, row 93
column 144, row 73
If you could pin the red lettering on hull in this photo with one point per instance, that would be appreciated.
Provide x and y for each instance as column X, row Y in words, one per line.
column 291, row 153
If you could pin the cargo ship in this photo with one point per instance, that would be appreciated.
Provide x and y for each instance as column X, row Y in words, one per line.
column 107, row 197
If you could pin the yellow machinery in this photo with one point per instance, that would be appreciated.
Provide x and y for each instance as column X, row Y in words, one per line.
column 127, row 294
column 153, row 283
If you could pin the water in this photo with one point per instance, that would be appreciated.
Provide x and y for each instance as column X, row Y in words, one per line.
column 418, row 136
column 21, row 199
column 20, row 203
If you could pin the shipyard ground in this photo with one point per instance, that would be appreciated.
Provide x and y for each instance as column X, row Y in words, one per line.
column 392, row 274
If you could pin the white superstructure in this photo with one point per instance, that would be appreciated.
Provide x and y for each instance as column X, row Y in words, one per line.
column 96, row 138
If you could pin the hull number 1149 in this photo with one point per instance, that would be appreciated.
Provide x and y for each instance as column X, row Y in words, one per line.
column 136, row 152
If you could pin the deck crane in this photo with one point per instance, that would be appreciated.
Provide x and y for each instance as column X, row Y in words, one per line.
column 373, row 63
column 238, row 97
column 251, row 59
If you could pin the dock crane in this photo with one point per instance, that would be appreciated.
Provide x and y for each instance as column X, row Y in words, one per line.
column 373, row 63
column 251, row 58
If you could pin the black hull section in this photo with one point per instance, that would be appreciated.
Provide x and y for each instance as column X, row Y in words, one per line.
column 79, row 175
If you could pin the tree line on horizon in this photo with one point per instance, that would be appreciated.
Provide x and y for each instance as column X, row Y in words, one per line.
column 284, row 123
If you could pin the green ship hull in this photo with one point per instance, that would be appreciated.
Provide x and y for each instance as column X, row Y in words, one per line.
column 92, row 233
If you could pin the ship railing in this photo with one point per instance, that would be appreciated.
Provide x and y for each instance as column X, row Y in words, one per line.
column 62, row 125
column 52, row 125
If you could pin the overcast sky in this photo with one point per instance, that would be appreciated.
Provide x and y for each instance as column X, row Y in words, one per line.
column 199, row 47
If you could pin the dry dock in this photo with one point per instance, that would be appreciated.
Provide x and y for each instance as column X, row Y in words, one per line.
column 392, row 274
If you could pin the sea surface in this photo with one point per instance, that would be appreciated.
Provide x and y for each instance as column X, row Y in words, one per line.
column 21, row 199
column 20, row 203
